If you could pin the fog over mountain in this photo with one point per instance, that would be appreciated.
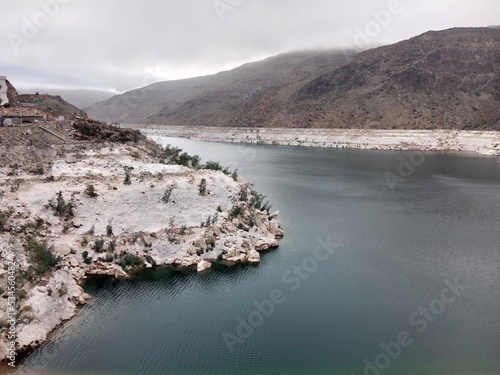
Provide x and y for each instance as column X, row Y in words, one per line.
column 445, row 79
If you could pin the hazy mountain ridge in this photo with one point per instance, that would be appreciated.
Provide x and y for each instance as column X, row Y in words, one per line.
column 216, row 97
column 445, row 79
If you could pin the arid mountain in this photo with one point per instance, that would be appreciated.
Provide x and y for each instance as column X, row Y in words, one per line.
column 446, row 79
column 217, row 98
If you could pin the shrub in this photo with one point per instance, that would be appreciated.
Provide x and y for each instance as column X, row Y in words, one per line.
column 128, row 171
column 87, row 260
column 4, row 217
column 235, row 211
column 85, row 254
column 49, row 291
column 61, row 208
column 40, row 256
column 234, row 175
column 213, row 165
column 84, row 242
column 112, row 246
column 109, row 258
column 62, row 290
column 38, row 170
column 109, row 230
column 166, row 195
column 202, row 187
column 90, row 191
column 132, row 260
column 99, row 246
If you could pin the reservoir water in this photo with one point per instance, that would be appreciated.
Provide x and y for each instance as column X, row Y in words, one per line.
column 389, row 265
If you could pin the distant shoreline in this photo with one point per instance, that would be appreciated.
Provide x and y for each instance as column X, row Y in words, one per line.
column 480, row 142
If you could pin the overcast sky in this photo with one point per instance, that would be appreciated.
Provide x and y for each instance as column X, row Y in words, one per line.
column 110, row 46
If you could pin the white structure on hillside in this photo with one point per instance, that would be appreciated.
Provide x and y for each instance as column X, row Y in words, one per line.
column 3, row 91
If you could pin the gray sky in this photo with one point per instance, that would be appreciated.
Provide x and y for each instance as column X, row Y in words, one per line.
column 103, row 47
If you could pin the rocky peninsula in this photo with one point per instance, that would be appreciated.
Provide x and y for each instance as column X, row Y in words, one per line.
column 101, row 200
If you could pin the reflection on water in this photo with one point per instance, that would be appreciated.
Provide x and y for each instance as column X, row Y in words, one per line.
column 398, row 250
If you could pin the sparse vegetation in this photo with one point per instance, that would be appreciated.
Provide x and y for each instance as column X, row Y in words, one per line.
column 167, row 194
column 62, row 290
column 132, row 260
column 99, row 246
column 4, row 217
column 84, row 242
column 128, row 171
column 62, row 208
column 40, row 256
column 234, row 175
column 90, row 191
column 202, row 187
column 15, row 185
column 235, row 211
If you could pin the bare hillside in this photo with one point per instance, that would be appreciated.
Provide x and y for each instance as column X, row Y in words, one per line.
column 441, row 79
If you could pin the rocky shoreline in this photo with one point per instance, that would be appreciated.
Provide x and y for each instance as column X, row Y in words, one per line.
column 480, row 142
column 112, row 209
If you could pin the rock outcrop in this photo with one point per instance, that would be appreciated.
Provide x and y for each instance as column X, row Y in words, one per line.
column 112, row 209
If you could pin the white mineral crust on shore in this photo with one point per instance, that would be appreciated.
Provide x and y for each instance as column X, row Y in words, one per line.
column 140, row 221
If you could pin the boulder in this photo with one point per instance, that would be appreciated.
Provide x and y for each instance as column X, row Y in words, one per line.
column 70, row 159
column 203, row 265
column 274, row 215
column 253, row 257
column 275, row 228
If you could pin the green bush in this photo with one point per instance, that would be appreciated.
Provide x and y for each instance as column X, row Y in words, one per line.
column 202, row 187
column 234, row 175
column 132, row 260
column 40, row 256
column 4, row 217
column 61, row 208
column 90, row 191
column 166, row 195
column 62, row 290
column 128, row 171
column 109, row 230
column 85, row 254
column 99, row 246
column 235, row 211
